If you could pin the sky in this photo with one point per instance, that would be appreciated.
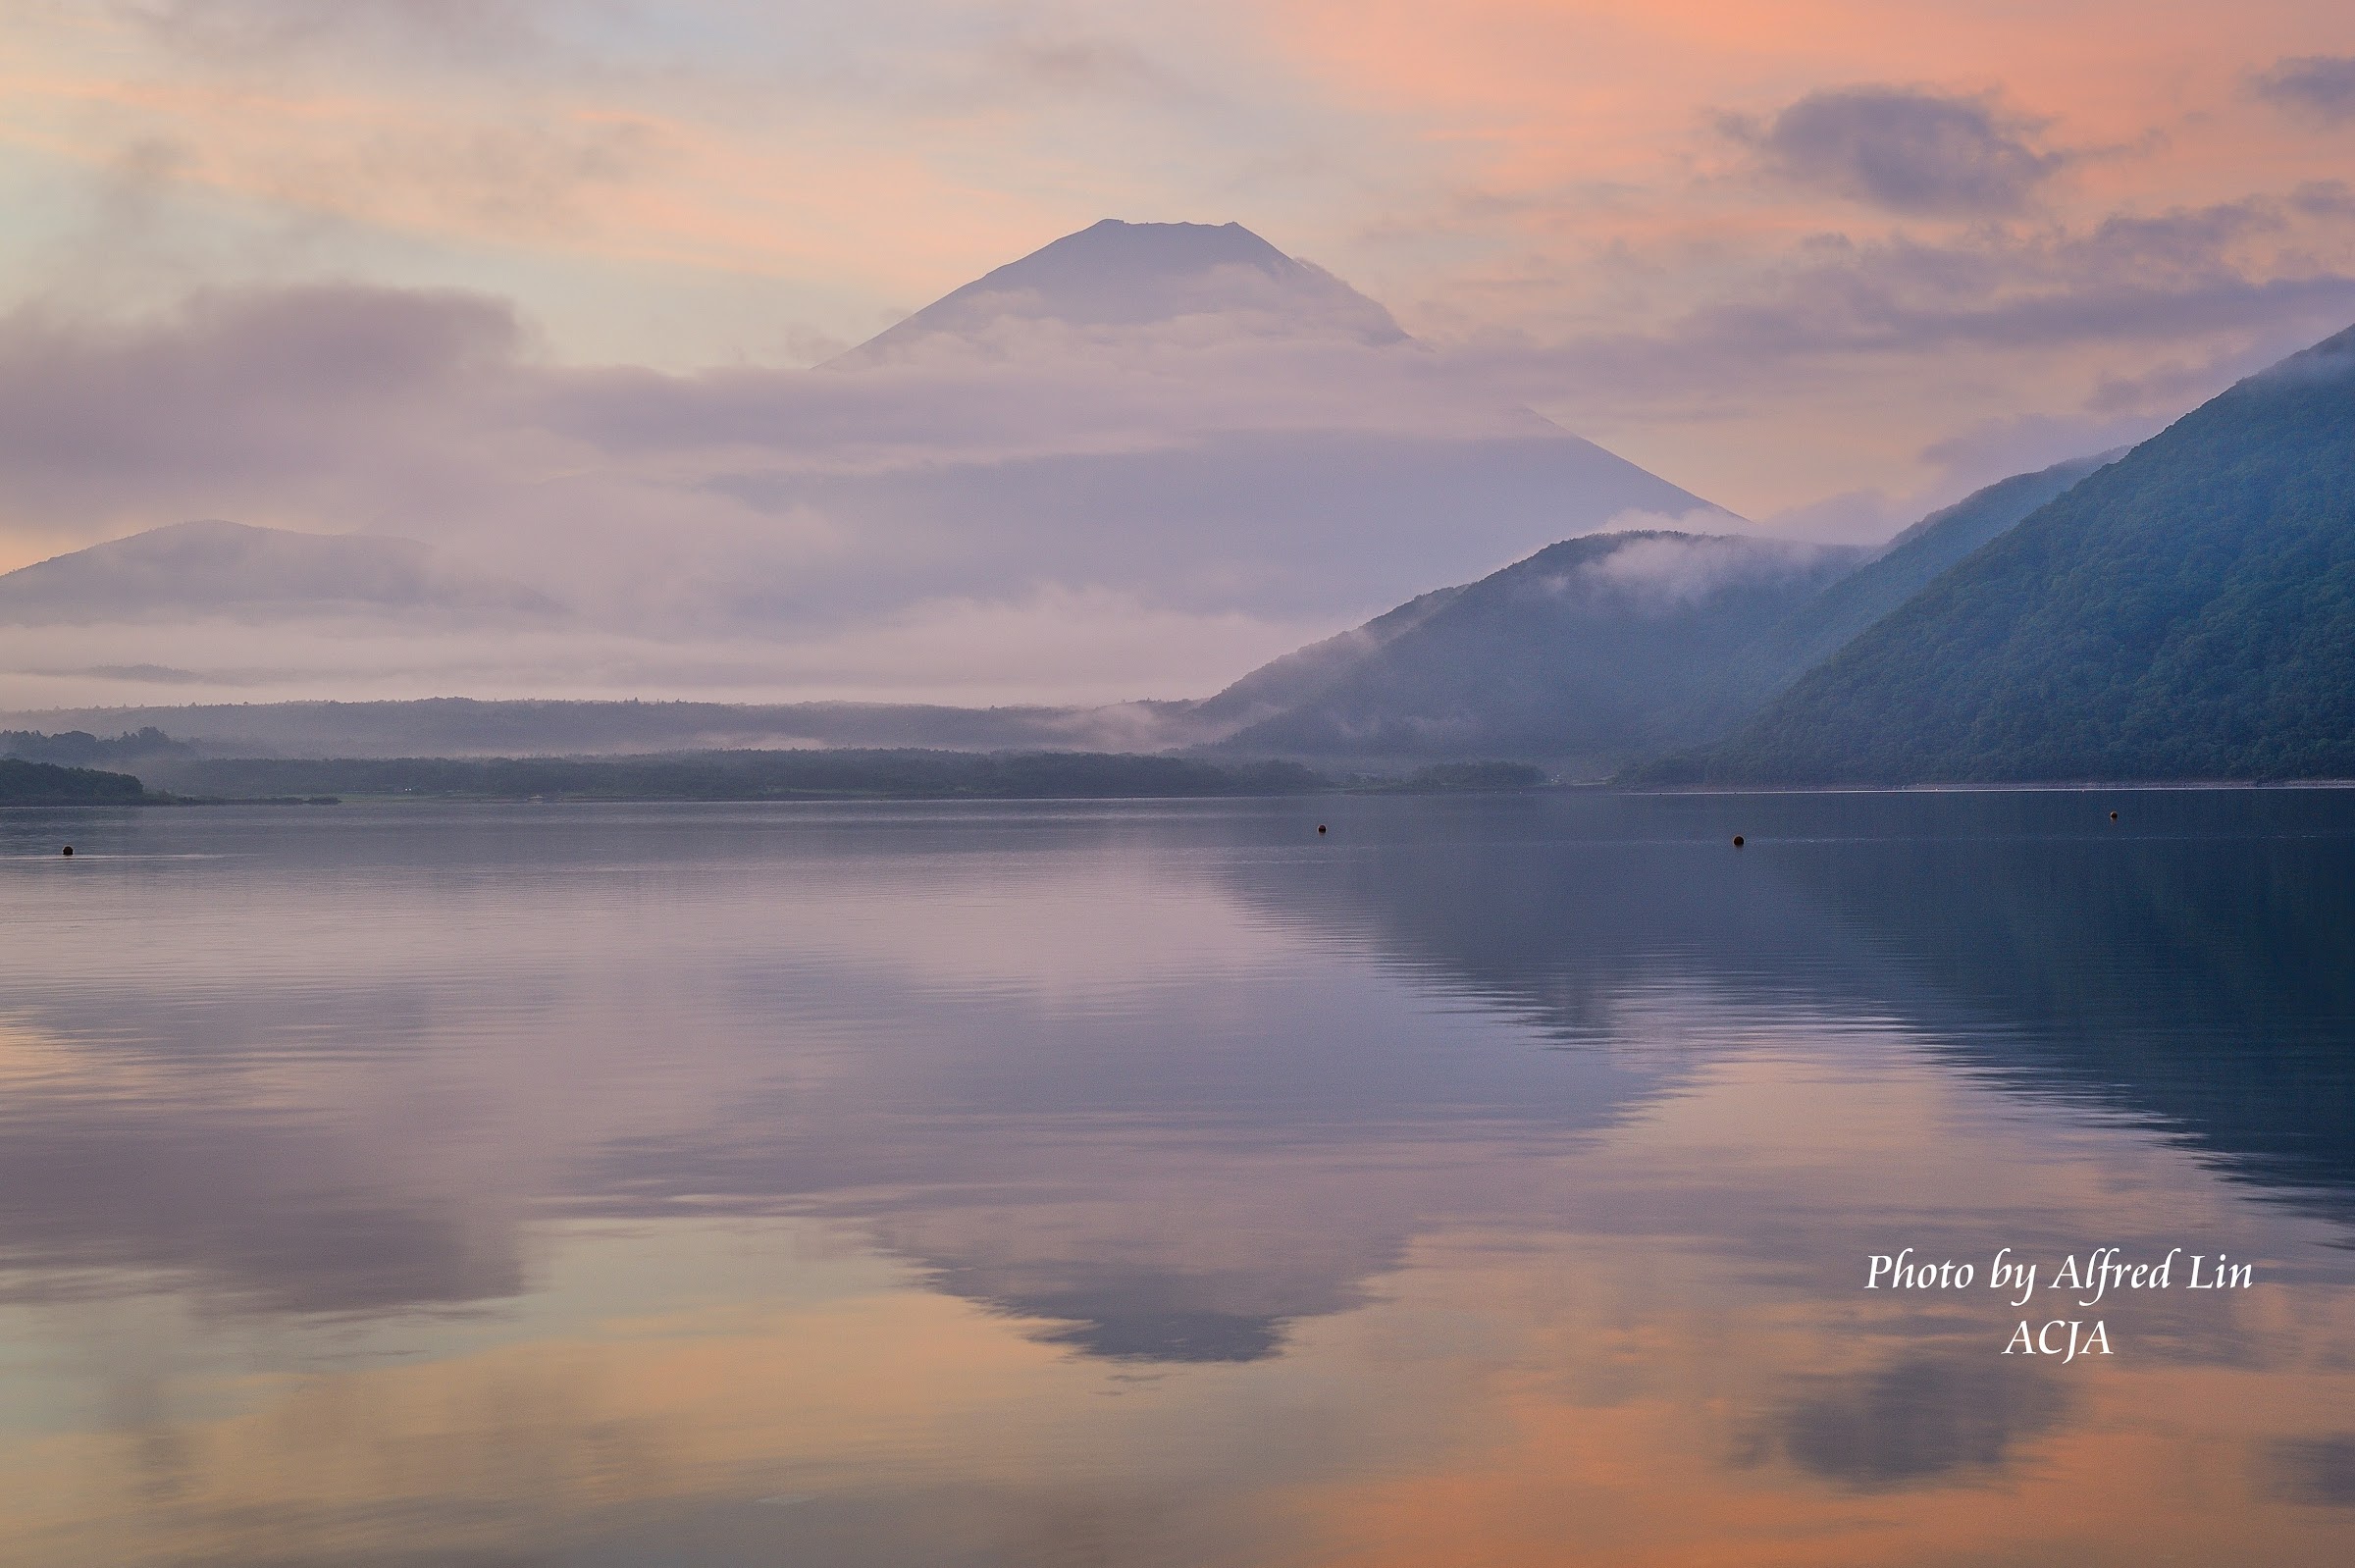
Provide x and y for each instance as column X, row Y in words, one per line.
column 1823, row 264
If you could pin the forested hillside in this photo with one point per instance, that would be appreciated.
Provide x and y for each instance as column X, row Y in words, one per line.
column 2185, row 612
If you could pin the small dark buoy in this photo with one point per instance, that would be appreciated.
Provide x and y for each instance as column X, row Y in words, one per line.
column 1737, row 841
column 69, row 848
column 1319, row 828
column 2112, row 816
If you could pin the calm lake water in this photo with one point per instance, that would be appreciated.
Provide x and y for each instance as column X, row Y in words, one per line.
column 1486, row 1181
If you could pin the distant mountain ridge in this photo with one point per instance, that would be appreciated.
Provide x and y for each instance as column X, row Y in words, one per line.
column 212, row 567
column 2187, row 612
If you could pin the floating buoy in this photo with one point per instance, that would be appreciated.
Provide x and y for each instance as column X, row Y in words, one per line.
column 1737, row 841
column 1319, row 828
column 69, row 848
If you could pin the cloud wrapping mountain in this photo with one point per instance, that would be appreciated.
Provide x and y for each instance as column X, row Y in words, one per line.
column 1602, row 651
column 1148, row 456
column 1588, row 654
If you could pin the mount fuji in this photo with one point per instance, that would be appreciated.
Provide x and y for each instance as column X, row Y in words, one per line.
column 1134, row 463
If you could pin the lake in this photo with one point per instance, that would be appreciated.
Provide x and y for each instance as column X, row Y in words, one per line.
column 1488, row 1179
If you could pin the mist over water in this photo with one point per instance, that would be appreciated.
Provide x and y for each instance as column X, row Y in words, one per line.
column 1488, row 1179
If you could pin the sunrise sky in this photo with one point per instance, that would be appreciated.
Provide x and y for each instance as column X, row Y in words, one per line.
column 1824, row 263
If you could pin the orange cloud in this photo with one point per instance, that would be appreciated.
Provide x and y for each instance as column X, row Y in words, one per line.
column 1504, row 169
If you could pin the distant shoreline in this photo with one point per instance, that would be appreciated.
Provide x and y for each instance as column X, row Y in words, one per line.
column 165, row 800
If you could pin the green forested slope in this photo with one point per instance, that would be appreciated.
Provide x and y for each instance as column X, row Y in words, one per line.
column 1572, row 656
column 1585, row 654
column 1823, row 625
column 2185, row 612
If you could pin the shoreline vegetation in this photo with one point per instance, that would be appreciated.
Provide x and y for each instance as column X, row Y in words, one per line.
column 23, row 783
column 171, row 774
column 727, row 775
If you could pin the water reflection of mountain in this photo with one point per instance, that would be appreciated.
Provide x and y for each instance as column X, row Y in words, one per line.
column 2208, row 982
column 1557, row 908
column 2192, row 964
column 348, row 1067
column 349, row 1063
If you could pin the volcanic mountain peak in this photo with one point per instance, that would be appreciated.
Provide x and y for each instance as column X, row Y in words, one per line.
column 1123, row 274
